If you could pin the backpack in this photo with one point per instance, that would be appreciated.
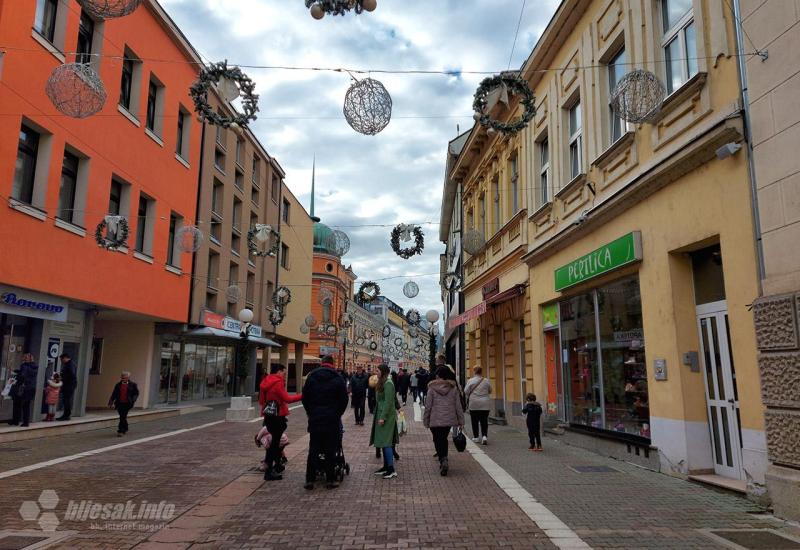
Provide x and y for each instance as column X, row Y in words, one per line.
column 271, row 408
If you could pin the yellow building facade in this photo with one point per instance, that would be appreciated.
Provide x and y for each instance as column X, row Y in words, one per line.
column 620, row 258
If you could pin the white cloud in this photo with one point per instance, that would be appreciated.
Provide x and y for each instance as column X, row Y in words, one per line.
column 396, row 176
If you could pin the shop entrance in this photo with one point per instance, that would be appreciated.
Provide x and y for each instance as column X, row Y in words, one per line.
column 722, row 396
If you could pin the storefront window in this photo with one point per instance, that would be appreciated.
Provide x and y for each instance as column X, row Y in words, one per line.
column 170, row 365
column 606, row 391
column 579, row 356
column 198, row 380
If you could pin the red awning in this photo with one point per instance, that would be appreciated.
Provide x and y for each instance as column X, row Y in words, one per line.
column 512, row 292
column 480, row 309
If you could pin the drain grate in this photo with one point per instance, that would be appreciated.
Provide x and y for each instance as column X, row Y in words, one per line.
column 593, row 469
column 18, row 542
column 757, row 539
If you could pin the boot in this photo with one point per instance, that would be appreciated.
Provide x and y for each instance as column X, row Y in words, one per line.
column 271, row 475
column 443, row 466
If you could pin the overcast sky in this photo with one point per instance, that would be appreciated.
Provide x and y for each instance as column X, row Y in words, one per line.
column 396, row 176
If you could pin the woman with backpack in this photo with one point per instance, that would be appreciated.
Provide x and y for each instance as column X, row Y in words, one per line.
column 443, row 411
column 479, row 402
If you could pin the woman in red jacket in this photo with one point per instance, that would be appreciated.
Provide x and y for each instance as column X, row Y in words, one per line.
column 274, row 402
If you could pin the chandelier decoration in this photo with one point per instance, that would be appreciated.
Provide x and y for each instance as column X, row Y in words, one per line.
column 109, row 9
column 318, row 8
column 499, row 89
column 410, row 289
column 473, row 242
column 638, row 97
column 233, row 84
column 339, row 243
column 189, row 238
column 262, row 233
column 367, row 106
column 76, row 90
column 112, row 233
column 403, row 232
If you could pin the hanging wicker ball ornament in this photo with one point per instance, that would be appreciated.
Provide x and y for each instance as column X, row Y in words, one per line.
column 310, row 321
column 109, row 9
column 367, row 106
column 303, row 329
column 473, row 241
column 638, row 96
column 189, row 238
column 410, row 289
column 233, row 294
column 339, row 243
column 76, row 90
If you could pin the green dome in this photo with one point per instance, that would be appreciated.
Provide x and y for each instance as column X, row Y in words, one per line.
column 322, row 238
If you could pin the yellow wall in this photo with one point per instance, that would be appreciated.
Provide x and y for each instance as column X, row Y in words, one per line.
column 298, row 236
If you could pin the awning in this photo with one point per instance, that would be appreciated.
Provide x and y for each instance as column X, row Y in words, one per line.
column 480, row 309
column 210, row 332
column 275, row 357
column 512, row 292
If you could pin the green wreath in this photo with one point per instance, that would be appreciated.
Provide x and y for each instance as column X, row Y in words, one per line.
column 212, row 75
column 120, row 240
column 368, row 291
column 252, row 245
column 276, row 316
column 413, row 317
column 406, row 253
column 281, row 297
column 517, row 86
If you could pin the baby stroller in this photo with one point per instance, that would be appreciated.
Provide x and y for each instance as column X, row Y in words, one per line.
column 340, row 466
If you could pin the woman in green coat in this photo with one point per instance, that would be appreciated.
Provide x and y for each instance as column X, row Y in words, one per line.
column 384, row 429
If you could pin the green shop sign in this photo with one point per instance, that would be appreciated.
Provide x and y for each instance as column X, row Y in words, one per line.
column 616, row 254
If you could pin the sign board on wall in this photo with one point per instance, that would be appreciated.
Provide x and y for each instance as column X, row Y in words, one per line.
column 550, row 316
column 614, row 255
column 491, row 288
column 17, row 301
column 214, row 320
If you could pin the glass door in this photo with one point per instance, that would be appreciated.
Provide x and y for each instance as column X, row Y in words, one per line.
column 722, row 397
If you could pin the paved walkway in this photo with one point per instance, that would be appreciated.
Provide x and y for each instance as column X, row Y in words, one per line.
column 487, row 501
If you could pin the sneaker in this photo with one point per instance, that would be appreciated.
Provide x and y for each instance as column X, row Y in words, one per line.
column 381, row 471
column 485, row 440
column 272, row 476
column 476, row 439
column 332, row 485
column 443, row 467
column 531, row 448
column 538, row 449
column 390, row 474
column 309, row 485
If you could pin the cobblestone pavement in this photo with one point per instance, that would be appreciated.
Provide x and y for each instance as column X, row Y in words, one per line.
column 628, row 508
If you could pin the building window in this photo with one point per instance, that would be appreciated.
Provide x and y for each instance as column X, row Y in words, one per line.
column 233, row 280
column 182, row 141
column 173, row 253
column 326, row 312
column 284, row 256
column 219, row 159
column 236, row 242
column 46, row 15
column 213, row 270
column 155, row 106
column 25, row 172
column 498, row 222
column 251, row 288
column 544, row 171
column 482, row 213
column 216, row 231
column 237, row 214
column 85, row 38
column 471, row 219
column 129, row 84
column 217, row 195
column 616, row 70
column 254, row 195
column 253, row 220
column 240, row 152
column 276, row 186
column 255, row 177
column 238, row 179
column 145, row 222
column 575, row 142
column 678, row 42
column 285, row 213
column 513, row 168
column 68, row 189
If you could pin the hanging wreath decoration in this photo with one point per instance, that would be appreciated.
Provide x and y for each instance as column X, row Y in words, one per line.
column 404, row 232
column 387, row 331
column 360, row 341
column 368, row 291
column 234, row 83
column 346, row 320
column 413, row 317
column 263, row 233
column 112, row 233
column 496, row 89
column 452, row 281
column 398, row 341
column 276, row 316
column 281, row 297
column 373, row 346
column 330, row 330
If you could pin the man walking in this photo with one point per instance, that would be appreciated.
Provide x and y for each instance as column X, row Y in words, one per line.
column 69, row 377
column 325, row 401
column 403, row 384
column 422, row 384
column 413, row 383
column 358, row 394
column 123, row 398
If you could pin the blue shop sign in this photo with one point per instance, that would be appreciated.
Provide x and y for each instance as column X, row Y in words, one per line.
column 32, row 304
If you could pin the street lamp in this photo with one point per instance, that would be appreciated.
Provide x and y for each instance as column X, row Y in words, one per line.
column 246, row 317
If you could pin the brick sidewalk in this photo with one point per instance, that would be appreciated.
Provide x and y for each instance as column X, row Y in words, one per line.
column 628, row 508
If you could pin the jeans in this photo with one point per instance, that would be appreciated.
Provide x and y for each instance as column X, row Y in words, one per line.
column 122, row 410
column 322, row 442
column 534, row 434
column 388, row 458
column 358, row 407
column 67, row 394
column 276, row 425
column 479, row 419
column 440, row 440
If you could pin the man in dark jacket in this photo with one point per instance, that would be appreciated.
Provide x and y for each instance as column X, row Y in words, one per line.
column 25, row 391
column 358, row 393
column 124, row 396
column 69, row 377
column 403, row 383
column 422, row 383
column 325, row 401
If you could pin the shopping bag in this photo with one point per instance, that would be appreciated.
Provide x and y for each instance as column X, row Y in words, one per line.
column 459, row 441
column 402, row 428
column 7, row 389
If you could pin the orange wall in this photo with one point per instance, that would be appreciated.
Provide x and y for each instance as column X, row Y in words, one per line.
column 40, row 256
column 341, row 284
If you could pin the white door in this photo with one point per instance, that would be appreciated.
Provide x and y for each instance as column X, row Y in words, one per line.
column 722, row 397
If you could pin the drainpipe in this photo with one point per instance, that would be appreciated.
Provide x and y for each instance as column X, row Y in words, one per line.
column 745, row 99
column 197, row 214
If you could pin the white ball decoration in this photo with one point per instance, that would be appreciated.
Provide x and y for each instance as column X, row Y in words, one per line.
column 246, row 315
column 638, row 96
column 367, row 106
column 432, row 316
column 76, row 90
column 303, row 329
column 310, row 321
column 189, row 238
column 410, row 289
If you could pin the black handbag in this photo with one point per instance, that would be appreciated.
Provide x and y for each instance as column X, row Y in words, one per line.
column 271, row 408
column 459, row 441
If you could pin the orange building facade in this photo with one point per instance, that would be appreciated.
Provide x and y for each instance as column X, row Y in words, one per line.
column 137, row 158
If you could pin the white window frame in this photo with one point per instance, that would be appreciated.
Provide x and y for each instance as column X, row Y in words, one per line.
column 543, row 145
column 498, row 207
column 575, row 140
column 677, row 32
column 513, row 168
column 615, row 123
